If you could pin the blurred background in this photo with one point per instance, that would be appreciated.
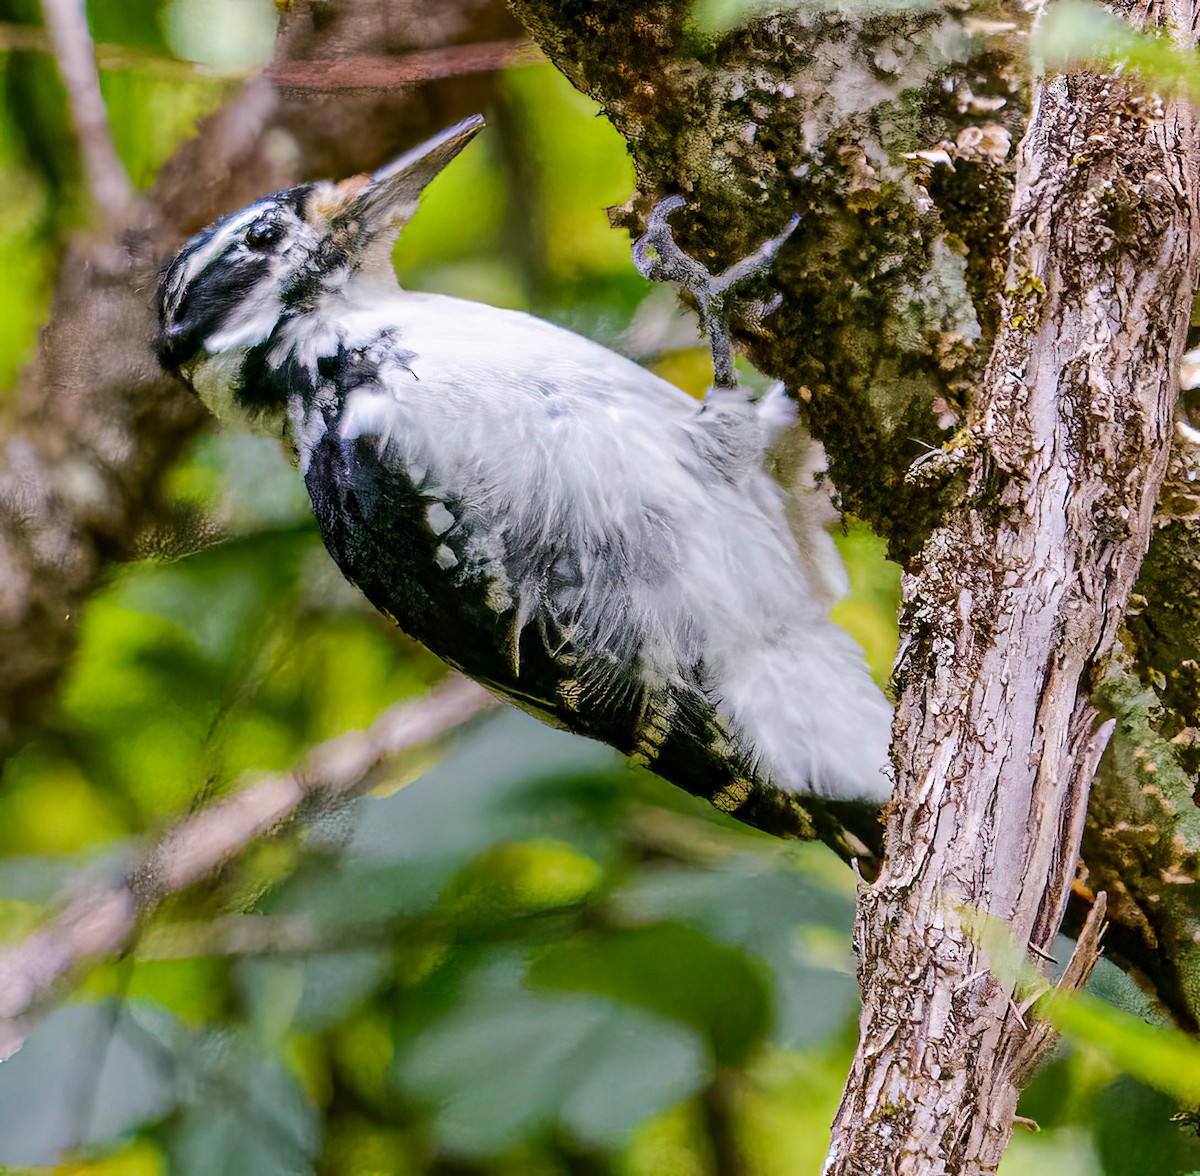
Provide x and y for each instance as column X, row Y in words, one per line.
column 519, row 954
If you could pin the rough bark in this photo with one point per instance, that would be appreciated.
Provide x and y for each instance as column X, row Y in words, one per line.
column 1013, row 603
column 94, row 422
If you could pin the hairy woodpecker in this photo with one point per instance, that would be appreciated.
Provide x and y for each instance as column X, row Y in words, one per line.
column 581, row 537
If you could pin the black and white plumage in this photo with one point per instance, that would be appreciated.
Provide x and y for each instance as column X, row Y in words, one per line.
column 580, row 536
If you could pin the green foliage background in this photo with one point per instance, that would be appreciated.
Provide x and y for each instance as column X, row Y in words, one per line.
column 528, row 957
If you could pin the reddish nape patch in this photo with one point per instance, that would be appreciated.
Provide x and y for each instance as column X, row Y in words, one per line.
column 334, row 198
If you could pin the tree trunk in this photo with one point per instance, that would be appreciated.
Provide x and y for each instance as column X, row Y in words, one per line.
column 1010, row 608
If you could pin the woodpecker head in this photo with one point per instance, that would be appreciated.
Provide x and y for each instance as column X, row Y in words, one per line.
column 232, row 283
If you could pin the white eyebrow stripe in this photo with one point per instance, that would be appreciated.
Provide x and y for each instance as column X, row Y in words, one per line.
column 212, row 249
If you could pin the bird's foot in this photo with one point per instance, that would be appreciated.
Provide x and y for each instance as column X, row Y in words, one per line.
column 657, row 256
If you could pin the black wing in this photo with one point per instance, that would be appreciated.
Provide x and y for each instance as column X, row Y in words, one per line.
column 525, row 645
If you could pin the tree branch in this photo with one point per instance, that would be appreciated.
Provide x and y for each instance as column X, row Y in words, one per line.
column 101, row 922
column 363, row 72
column 111, row 191
column 378, row 73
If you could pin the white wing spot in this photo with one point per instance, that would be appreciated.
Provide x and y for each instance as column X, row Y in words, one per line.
column 440, row 520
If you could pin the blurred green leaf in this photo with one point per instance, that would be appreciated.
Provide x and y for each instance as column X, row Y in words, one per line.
column 518, row 878
column 1162, row 1058
column 127, row 22
column 26, row 252
column 1125, row 1116
column 309, row 994
column 193, row 990
column 345, row 894
column 86, row 1073
column 774, row 913
column 479, row 795
column 244, row 1114
column 226, row 33
column 673, row 971
column 39, row 126
column 508, row 1062
column 871, row 609
column 336, row 983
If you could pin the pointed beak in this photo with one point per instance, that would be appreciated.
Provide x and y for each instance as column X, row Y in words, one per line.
column 391, row 194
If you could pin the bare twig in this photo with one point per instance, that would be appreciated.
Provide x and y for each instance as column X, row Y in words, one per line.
column 1079, row 967
column 109, row 185
column 100, row 922
column 355, row 72
column 380, row 73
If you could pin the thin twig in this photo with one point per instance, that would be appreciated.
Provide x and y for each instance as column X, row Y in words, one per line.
column 363, row 72
column 100, row 921
column 1075, row 975
column 66, row 22
column 356, row 72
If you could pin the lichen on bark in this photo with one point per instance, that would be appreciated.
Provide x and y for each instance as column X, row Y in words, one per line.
column 1142, row 848
column 1142, row 841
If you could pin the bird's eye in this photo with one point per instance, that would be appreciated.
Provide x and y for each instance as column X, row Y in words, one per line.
column 263, row 234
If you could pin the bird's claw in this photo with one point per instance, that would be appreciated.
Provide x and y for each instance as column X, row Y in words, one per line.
column 657, row 256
